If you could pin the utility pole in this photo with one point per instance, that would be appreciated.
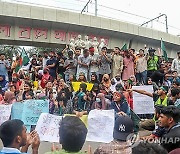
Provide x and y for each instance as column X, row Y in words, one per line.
column 96, row 8
column 158, row 18
column 86, row 6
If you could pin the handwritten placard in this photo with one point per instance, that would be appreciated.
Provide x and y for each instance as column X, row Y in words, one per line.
column 143, row 104
column 29, row 111
column 48, row 127
column 5, row 112
column 100, row 126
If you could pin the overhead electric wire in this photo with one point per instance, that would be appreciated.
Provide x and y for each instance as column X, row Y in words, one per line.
column 99, row 5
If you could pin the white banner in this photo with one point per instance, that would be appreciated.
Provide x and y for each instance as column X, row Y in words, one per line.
column 143, row 104
column 5, row 112
column 100, row 126
column 48, row 127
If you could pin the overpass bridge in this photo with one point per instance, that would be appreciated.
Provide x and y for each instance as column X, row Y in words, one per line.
column 37, row 26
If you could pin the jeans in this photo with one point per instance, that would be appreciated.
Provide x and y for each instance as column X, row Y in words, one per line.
column 142, row 77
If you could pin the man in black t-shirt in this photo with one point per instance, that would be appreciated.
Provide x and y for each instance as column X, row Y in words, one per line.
column 51, row 64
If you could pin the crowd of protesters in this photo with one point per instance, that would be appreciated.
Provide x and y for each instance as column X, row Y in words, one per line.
column 112, row 73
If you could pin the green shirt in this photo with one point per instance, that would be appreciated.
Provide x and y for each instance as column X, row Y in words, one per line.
column 64, row 152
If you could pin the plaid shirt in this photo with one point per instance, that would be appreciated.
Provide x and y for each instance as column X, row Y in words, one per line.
column 114, row 147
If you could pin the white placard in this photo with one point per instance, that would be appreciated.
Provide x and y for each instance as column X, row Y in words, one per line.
column 5, row 112
column 100, row 126
column 143, row 104
column 48, row 127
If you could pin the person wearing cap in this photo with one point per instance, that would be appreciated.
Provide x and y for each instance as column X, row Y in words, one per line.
column 93, row 67
column 152, row 62
column 160, row 98
column 169, row 119
column 176, row 64
column 117, row 62
column 120, row 104
column 122, row 129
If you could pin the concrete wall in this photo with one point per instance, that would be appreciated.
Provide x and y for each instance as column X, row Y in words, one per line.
column 115, row 32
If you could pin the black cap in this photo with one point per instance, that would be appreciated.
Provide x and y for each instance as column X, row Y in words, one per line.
column 151, row 50
column 178, row 52
column 122, row 128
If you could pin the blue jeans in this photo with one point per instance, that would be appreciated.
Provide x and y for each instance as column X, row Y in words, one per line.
column 141, row 77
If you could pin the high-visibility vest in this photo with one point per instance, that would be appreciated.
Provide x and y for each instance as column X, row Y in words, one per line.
column 164, row 103
column 152, row 64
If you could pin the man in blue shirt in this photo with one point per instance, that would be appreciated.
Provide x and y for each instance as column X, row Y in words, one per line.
column 13, row 135
column 4, row 66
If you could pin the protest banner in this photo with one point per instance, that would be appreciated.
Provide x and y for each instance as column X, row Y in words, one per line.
column 29, row 110
column 100, row 126
column 84, row 118
column 5, row 112
column 143, row 104
column 76, row 86
column 48, row 127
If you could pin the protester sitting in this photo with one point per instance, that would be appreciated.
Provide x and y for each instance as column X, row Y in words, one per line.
column 94, row 78
column 148, row 148
column 73, row 134
column 3, row 83
column 27, row 87
column 82, row 77
column 158, row 131
column 120, row 104
column 175, row 95
column 122, row 129
column 45, row 77
column 14, row 136
column 82, row 102
column 9, row 97
column 100, row 102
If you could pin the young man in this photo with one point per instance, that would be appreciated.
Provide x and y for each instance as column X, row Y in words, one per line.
column 159, row 99
column 72, row 134
column 13, row 135
column 152, row 62
column 70, row 65
column 169, row 119
column 122, row 128
column 104, row 63
column 83, row 63
column 141, row 67
column 176, row 64
column 175, row 95
column 4, row 66
column 94, row 67
column 51, row 64
column 117, row 62
column 148, row 148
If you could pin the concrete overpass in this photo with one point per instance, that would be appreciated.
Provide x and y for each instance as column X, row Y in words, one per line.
column 37, row 26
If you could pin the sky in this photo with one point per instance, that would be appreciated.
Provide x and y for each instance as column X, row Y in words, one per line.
column 143, row 10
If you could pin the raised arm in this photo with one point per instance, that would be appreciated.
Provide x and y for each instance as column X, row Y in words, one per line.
column 143, row 92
